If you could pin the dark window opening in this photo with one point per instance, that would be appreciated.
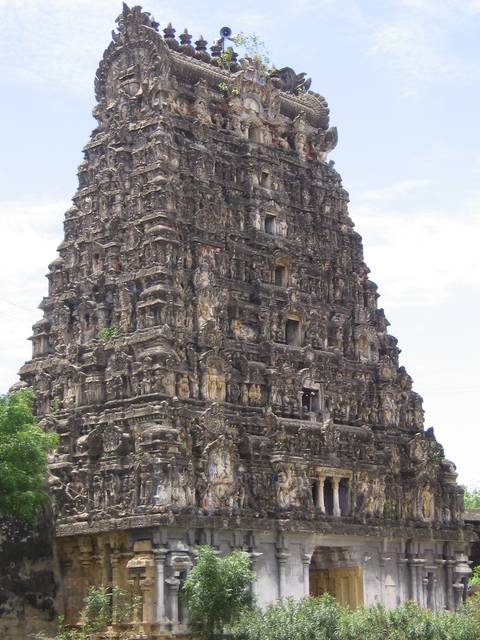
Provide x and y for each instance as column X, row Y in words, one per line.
column 87, row 320
column 310, row 400
column 315, row 492
column 343, row 494
column 265, row 179
column 280, row 276
column 270, row 225
column 293, row 333
column 328, row 496
column 332, row 337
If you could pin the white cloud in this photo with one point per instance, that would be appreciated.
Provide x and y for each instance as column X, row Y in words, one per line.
column 414, row 41
column 30, row 234
column 54, row 41
column 411, row 51
column 474, row 6
column 417, row 254
column 394, row 191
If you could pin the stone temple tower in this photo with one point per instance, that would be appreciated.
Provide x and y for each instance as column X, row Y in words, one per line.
column 212, row 355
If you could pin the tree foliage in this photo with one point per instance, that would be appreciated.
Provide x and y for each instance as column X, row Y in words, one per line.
column 323, row 619
column 217, row 590
column 472, row 498
column 254, row 48
column 24, row 448
column 475, row 577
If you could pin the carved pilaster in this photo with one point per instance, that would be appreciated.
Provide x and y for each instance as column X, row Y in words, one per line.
column 173, row 586
column 336, row 497
column 141, row 569
column 159, row 556
column 282, row 559
column 306, row 558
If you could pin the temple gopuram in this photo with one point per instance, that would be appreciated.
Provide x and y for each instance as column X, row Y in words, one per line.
column 213, row 357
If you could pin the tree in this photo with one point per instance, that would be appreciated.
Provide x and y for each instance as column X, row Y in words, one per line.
column 217, row 590
column 24, row 449
column 472, row 499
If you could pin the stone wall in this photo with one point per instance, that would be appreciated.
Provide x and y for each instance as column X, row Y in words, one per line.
column 28, row 587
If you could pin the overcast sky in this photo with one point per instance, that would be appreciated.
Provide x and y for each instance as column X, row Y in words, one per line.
column 402, row 79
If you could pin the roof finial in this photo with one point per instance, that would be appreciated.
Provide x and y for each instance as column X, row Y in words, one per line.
column 201, row 49
column 186, row 46
column 169, row 36
column 216, row 49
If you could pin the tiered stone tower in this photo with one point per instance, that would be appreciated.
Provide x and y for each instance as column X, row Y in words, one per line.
column 213, row 357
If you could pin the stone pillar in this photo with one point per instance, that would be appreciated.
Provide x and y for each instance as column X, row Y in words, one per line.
column 413, row 579
column 69, row 609
column 104, row 558
column 115, row 560
column 173, row 585
column 159, row 557
column 381, row 567
column 418, row 584
column 320, row 501
column 147, row 588
column 141, row 569
column 254, row 556
column 401, row 563
column 336, row 497
column 424, row 590
column 306, row 557
column 85, row 556
column 450, row 598
column 282, row 557
column 458, row 589
column 419, row 562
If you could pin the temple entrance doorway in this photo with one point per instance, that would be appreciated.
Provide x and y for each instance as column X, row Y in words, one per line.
column 332, row 570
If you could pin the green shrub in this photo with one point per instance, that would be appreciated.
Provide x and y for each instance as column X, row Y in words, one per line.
column 472, row 498
column 107, row 333
column 475, row 577
column 288, row 619
column 96, row 616
column 323, row 619
column 217, row 590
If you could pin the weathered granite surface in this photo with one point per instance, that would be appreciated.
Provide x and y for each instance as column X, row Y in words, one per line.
column 28, row 585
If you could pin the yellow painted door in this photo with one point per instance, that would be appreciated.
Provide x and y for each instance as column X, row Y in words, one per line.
column 345, row 584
